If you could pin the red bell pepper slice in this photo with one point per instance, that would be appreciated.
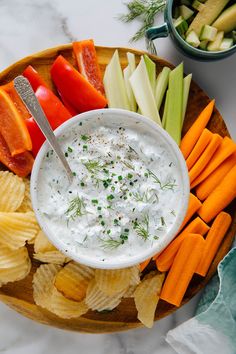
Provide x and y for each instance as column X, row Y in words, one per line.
column 86, row 58
column 34, row 78
column 12, row 126
column 20, row 164
column 10, row 90
column 55, row 112
column 74, row 88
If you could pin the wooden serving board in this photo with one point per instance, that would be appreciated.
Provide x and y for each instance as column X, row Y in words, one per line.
column 18, row 295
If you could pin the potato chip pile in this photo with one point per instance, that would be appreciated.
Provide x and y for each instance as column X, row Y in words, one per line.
column 18, row 225
column 71, row 290
column 61, row 286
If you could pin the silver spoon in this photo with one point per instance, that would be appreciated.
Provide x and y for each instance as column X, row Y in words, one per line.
column 27, row 95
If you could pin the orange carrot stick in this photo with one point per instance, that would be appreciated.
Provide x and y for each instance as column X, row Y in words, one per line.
column 220, row 197
column 204, row 189
column 183, row 269
column 193, row 134
column 144, row 264
column 205, row 157
column 198, row 149
column 166, row 258
column 214, row 238
column 193, row 205
column 226, row 148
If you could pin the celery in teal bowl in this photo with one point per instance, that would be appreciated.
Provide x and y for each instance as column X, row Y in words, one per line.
column 168, row 28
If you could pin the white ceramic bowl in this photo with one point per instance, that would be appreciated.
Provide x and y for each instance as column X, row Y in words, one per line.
column 117, row 118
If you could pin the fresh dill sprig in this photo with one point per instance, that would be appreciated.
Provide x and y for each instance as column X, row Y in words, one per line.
column 93, row 166
column 142, row 227
column 128, row 165
column 167, row 185
column 111, row 243
column 146, row 10
column 76, row 208
column 145, row 197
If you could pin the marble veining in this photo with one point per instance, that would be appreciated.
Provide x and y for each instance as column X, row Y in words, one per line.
column 28, row 26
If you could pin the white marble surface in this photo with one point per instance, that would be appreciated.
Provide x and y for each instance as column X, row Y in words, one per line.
column 27, row 26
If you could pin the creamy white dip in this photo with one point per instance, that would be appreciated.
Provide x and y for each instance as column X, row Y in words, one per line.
column 124, row 195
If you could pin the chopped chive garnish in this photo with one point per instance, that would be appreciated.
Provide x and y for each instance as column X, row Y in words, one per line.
column 108, row 232
column 100, row 216
column 110, row 197
column 70, row 149
column 120, row 178
column 82, row 184
column 129, row 175
column 163, row 221
column 84, row 137
column 102, row 223
column 99, row 208
column 85, row 147
column 116, row 222
column 66, row 154
column 94, row 201
column 74, row 173
column 113, row 188
column 126, row 230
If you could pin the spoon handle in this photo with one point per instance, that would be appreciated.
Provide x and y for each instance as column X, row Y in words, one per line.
column 27, row 95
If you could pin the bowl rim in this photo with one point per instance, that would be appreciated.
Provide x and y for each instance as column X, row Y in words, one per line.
column 203, row 53
column 149, row 252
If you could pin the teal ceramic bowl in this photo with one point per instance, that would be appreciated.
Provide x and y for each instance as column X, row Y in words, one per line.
column 168, row 29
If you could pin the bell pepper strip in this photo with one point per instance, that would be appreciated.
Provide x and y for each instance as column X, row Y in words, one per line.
column 55, row 112
column 12, row 126
column 72, row 111
column 10, row 90
column 34, row 78
column 20, row 164
column 86, row 58
column 74, row 88
column 37, row 136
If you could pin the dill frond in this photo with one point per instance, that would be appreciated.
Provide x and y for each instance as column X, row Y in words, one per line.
column 76, row 208
column 142, row 228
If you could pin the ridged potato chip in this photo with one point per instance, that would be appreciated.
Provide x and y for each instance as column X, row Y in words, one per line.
column 43, row 284
column 54, row 257
column 17, row 228
column 146, row 297
column 16, row 273
column 135, row 276
column 113, row 281
column 97, row 300
column 12, row 190
column 42, row 243
column 72, row 280
column 26, row 204
column 130, row 291
column 66, row 308
column 11, row 258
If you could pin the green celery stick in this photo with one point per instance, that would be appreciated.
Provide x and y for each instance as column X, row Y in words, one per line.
column 130, row 94
column 186, row 88
column 131, row 61
column 175, row 104
column 161, row 85
column 114, row 84
column 151, row 69
column 143, row 93
column 165, row 110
